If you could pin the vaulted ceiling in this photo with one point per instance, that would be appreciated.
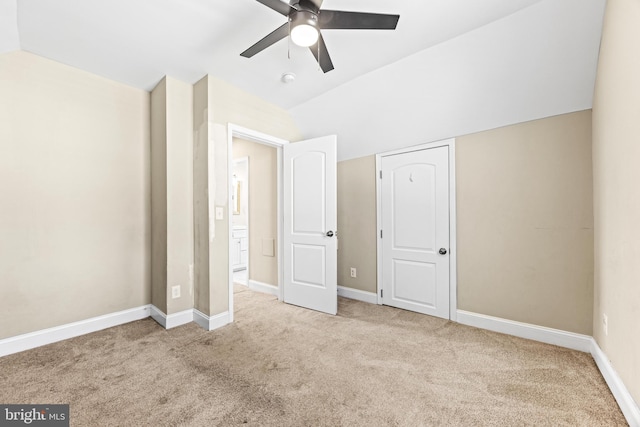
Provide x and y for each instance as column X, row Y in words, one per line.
column 451, row 67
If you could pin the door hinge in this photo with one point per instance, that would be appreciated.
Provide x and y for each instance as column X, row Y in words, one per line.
column 380, row 174
column 381, row 234
column 381, row 293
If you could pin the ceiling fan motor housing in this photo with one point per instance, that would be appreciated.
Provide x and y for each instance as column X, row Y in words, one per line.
column 304, row 17
column 307, row 5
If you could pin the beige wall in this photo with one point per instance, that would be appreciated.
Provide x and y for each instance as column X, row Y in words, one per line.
column 616, row 154
column 179, row 193
column 525, row 222
column 263, row 208
column 216, row 104
column 159, row 196
column 74, row 191
column 201, row 132
column 171, row 194
column 357, row 223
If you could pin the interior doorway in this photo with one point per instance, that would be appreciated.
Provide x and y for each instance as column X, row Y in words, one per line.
column 247, row 243
column 254, row 213
column 305, row 180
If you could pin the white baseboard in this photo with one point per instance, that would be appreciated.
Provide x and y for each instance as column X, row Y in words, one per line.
column 191, row 315
column 563, row 339
column 627, row 405
column 158, row 315
column 526, row 330
column 357, row 294
column 265, row 288
column 180, row 318
column 59, row 333
column 171, row 320
column 213, row 322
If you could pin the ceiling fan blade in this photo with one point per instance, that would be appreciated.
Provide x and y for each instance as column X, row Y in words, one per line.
column 321, row 54
column 273, row 37
column 278, row 6
column 341, row 20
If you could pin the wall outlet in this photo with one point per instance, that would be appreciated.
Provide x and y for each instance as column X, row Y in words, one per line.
column 175, row 292
column 353, row 272
column 605, row 324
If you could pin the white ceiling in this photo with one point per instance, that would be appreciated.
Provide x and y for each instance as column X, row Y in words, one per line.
column 452, row 66
column 536, row 63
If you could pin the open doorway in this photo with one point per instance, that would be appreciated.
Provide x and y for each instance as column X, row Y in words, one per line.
column 305, row 180
column 255, row 216
column 255, row 181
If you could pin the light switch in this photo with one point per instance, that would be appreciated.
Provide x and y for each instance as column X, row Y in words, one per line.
column 219, row 212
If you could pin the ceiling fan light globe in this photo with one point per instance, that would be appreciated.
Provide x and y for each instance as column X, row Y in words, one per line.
column 304, row 35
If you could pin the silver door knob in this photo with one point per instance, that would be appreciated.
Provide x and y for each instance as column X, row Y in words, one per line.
column 329, row 233
column 442, row 251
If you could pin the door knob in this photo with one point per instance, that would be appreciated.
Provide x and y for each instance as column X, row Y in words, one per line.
column 329, row 233
column 442, row 251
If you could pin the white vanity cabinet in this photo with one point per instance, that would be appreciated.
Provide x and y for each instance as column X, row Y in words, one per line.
column 239, row 248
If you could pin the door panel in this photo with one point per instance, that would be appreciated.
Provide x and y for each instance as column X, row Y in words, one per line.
column 413, row 197
column 309, row 265
column 415, row 221
column 310, row 255
column 403, row 290
column 309, row 177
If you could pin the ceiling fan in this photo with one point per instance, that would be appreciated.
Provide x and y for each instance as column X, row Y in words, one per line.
column 306, row 19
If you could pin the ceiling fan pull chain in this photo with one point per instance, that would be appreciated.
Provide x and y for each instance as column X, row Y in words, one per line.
column 289, row 42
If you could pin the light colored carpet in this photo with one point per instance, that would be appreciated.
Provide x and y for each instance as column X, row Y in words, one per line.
column 282, row 365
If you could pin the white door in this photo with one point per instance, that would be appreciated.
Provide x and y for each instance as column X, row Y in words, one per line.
column 310, row 220
column 415, row 231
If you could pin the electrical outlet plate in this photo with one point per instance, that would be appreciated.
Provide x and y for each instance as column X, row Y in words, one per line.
column 175, row 292
column 353, row 272
column 605, row 324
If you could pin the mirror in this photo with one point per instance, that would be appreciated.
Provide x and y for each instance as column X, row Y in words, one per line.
column 235, row 196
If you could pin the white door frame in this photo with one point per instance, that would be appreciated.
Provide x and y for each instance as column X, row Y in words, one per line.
column 453, row 252
column 235, row 131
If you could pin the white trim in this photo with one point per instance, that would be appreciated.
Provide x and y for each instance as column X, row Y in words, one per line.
column 211, row 322
column 356, row 294
column 179, row 319
column 70, row 330
column 453, row 235
column 453, row 248
column 172, row 320
column 255, row 136
column 627, row 405
column 158, row 315
column 571, row 340
column 235, row 131
column 378, row 228
column 280, row 221
column 265, row 288
column 526, row 330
